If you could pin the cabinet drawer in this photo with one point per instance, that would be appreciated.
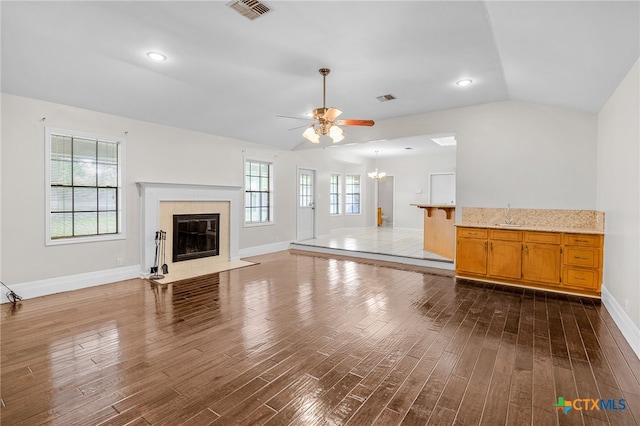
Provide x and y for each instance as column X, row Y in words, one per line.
column 543, row 237
column 582, row 278
column 472, row 233
column 577, row 256
column 505, row 235
column 583, row 240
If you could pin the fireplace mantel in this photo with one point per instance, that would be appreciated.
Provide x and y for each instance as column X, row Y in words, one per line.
column 152, row 193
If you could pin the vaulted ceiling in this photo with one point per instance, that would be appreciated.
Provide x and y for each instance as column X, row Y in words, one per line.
column 231, row 76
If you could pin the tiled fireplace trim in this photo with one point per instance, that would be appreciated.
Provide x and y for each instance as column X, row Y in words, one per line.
column 153, row 193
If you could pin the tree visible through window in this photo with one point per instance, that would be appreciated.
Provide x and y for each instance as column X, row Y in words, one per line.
column 352, row 194
column 84, row 192
column 258, row 190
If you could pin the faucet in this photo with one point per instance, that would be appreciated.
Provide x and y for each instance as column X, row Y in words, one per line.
column 508, row 219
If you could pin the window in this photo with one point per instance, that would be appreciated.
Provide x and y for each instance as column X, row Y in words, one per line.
column 334, row 195
column 352, row 194
column 306, row 189
column 258, row 187
column 84, row 188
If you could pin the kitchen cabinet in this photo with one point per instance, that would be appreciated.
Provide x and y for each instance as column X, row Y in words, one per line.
column 555, row 261
column 471, row 251
column 582, row 262
column 505, row 254
column 542, row 257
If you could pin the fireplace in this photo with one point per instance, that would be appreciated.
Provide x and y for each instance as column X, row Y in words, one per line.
column 195, row 236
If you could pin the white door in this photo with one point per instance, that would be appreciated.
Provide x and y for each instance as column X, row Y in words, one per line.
column 442, row 188
column 306, row 204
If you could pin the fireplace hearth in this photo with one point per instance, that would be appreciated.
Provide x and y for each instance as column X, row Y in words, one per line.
column 195, row 236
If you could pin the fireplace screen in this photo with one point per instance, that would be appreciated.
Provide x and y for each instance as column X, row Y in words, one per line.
column 195, row 236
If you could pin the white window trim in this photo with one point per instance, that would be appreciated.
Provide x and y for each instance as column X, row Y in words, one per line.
column 340, row 194
column 121, row 176
column 345, row 194
column 272, row 185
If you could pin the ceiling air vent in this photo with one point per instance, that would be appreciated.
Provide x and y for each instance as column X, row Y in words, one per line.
column 250, row 9
column 385, row 98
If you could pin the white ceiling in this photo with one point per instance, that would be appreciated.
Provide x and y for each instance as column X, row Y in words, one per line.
column 231, row 76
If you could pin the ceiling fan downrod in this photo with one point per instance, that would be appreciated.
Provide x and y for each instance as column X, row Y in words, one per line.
column 324, row 72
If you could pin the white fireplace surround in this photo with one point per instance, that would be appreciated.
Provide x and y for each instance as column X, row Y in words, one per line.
column 152, row 193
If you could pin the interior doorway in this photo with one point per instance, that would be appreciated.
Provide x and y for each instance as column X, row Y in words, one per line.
column 386, row 200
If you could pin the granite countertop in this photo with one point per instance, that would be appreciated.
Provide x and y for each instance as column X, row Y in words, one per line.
column 540, row 228
column 543, row 220
column 436, row 206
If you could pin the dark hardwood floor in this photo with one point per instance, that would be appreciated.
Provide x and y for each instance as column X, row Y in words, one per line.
column 313, row 341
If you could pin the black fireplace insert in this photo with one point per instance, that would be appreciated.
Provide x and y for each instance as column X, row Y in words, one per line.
column 195, row 236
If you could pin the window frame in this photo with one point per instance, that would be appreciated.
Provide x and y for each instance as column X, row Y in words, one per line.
column 271, row 192
column 121, row 197
column 338, row 194
column 346, row 193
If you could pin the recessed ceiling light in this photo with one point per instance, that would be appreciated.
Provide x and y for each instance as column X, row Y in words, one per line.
column 156, row 56
column 445, row 141
column 464, row 83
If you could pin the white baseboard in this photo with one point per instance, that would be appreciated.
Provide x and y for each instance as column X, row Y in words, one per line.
column 629, row 330
column 265, row 249
column 29, row 290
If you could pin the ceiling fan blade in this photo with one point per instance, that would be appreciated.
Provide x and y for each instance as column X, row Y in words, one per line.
column 295, row 118
column 356, row 122
column 299, row 127
column 331, row 113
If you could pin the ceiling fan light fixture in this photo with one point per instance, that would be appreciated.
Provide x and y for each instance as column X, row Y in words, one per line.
column 336, row 134
column 311, row 135
column 326, row 123
column 464, row 82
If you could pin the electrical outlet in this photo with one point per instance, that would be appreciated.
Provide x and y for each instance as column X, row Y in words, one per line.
column 119, row 261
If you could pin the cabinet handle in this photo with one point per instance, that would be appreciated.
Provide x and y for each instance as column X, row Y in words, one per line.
column 581, row 241
column 580, row 257
column 526, row 249
column 578, row 278
column 491, row 246
column 485, row 246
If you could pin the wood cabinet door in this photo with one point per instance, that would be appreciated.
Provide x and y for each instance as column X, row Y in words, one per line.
column 471, row 256
column 541, row 263
column 505, row 259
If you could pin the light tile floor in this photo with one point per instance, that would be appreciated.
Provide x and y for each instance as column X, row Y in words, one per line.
column 380, row 240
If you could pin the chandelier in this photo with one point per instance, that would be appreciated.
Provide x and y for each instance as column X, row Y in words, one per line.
column 376, row 175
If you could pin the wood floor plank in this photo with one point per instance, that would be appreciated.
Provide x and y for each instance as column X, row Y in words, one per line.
column 299, row 339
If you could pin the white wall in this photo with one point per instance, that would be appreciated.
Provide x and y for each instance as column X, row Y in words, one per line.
column 528, row 155
column 618, row 195
column 411, row 174
column 154, row 153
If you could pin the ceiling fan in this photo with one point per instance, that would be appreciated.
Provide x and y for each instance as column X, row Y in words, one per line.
column 325, row 118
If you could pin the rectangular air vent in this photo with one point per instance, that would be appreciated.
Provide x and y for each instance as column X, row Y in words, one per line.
column 250, row 9
column 385, row 98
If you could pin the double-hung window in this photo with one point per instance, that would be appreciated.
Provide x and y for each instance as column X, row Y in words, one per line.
column 335, row 195
column 258, row 190
column 352, row 194
column 84, row 188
